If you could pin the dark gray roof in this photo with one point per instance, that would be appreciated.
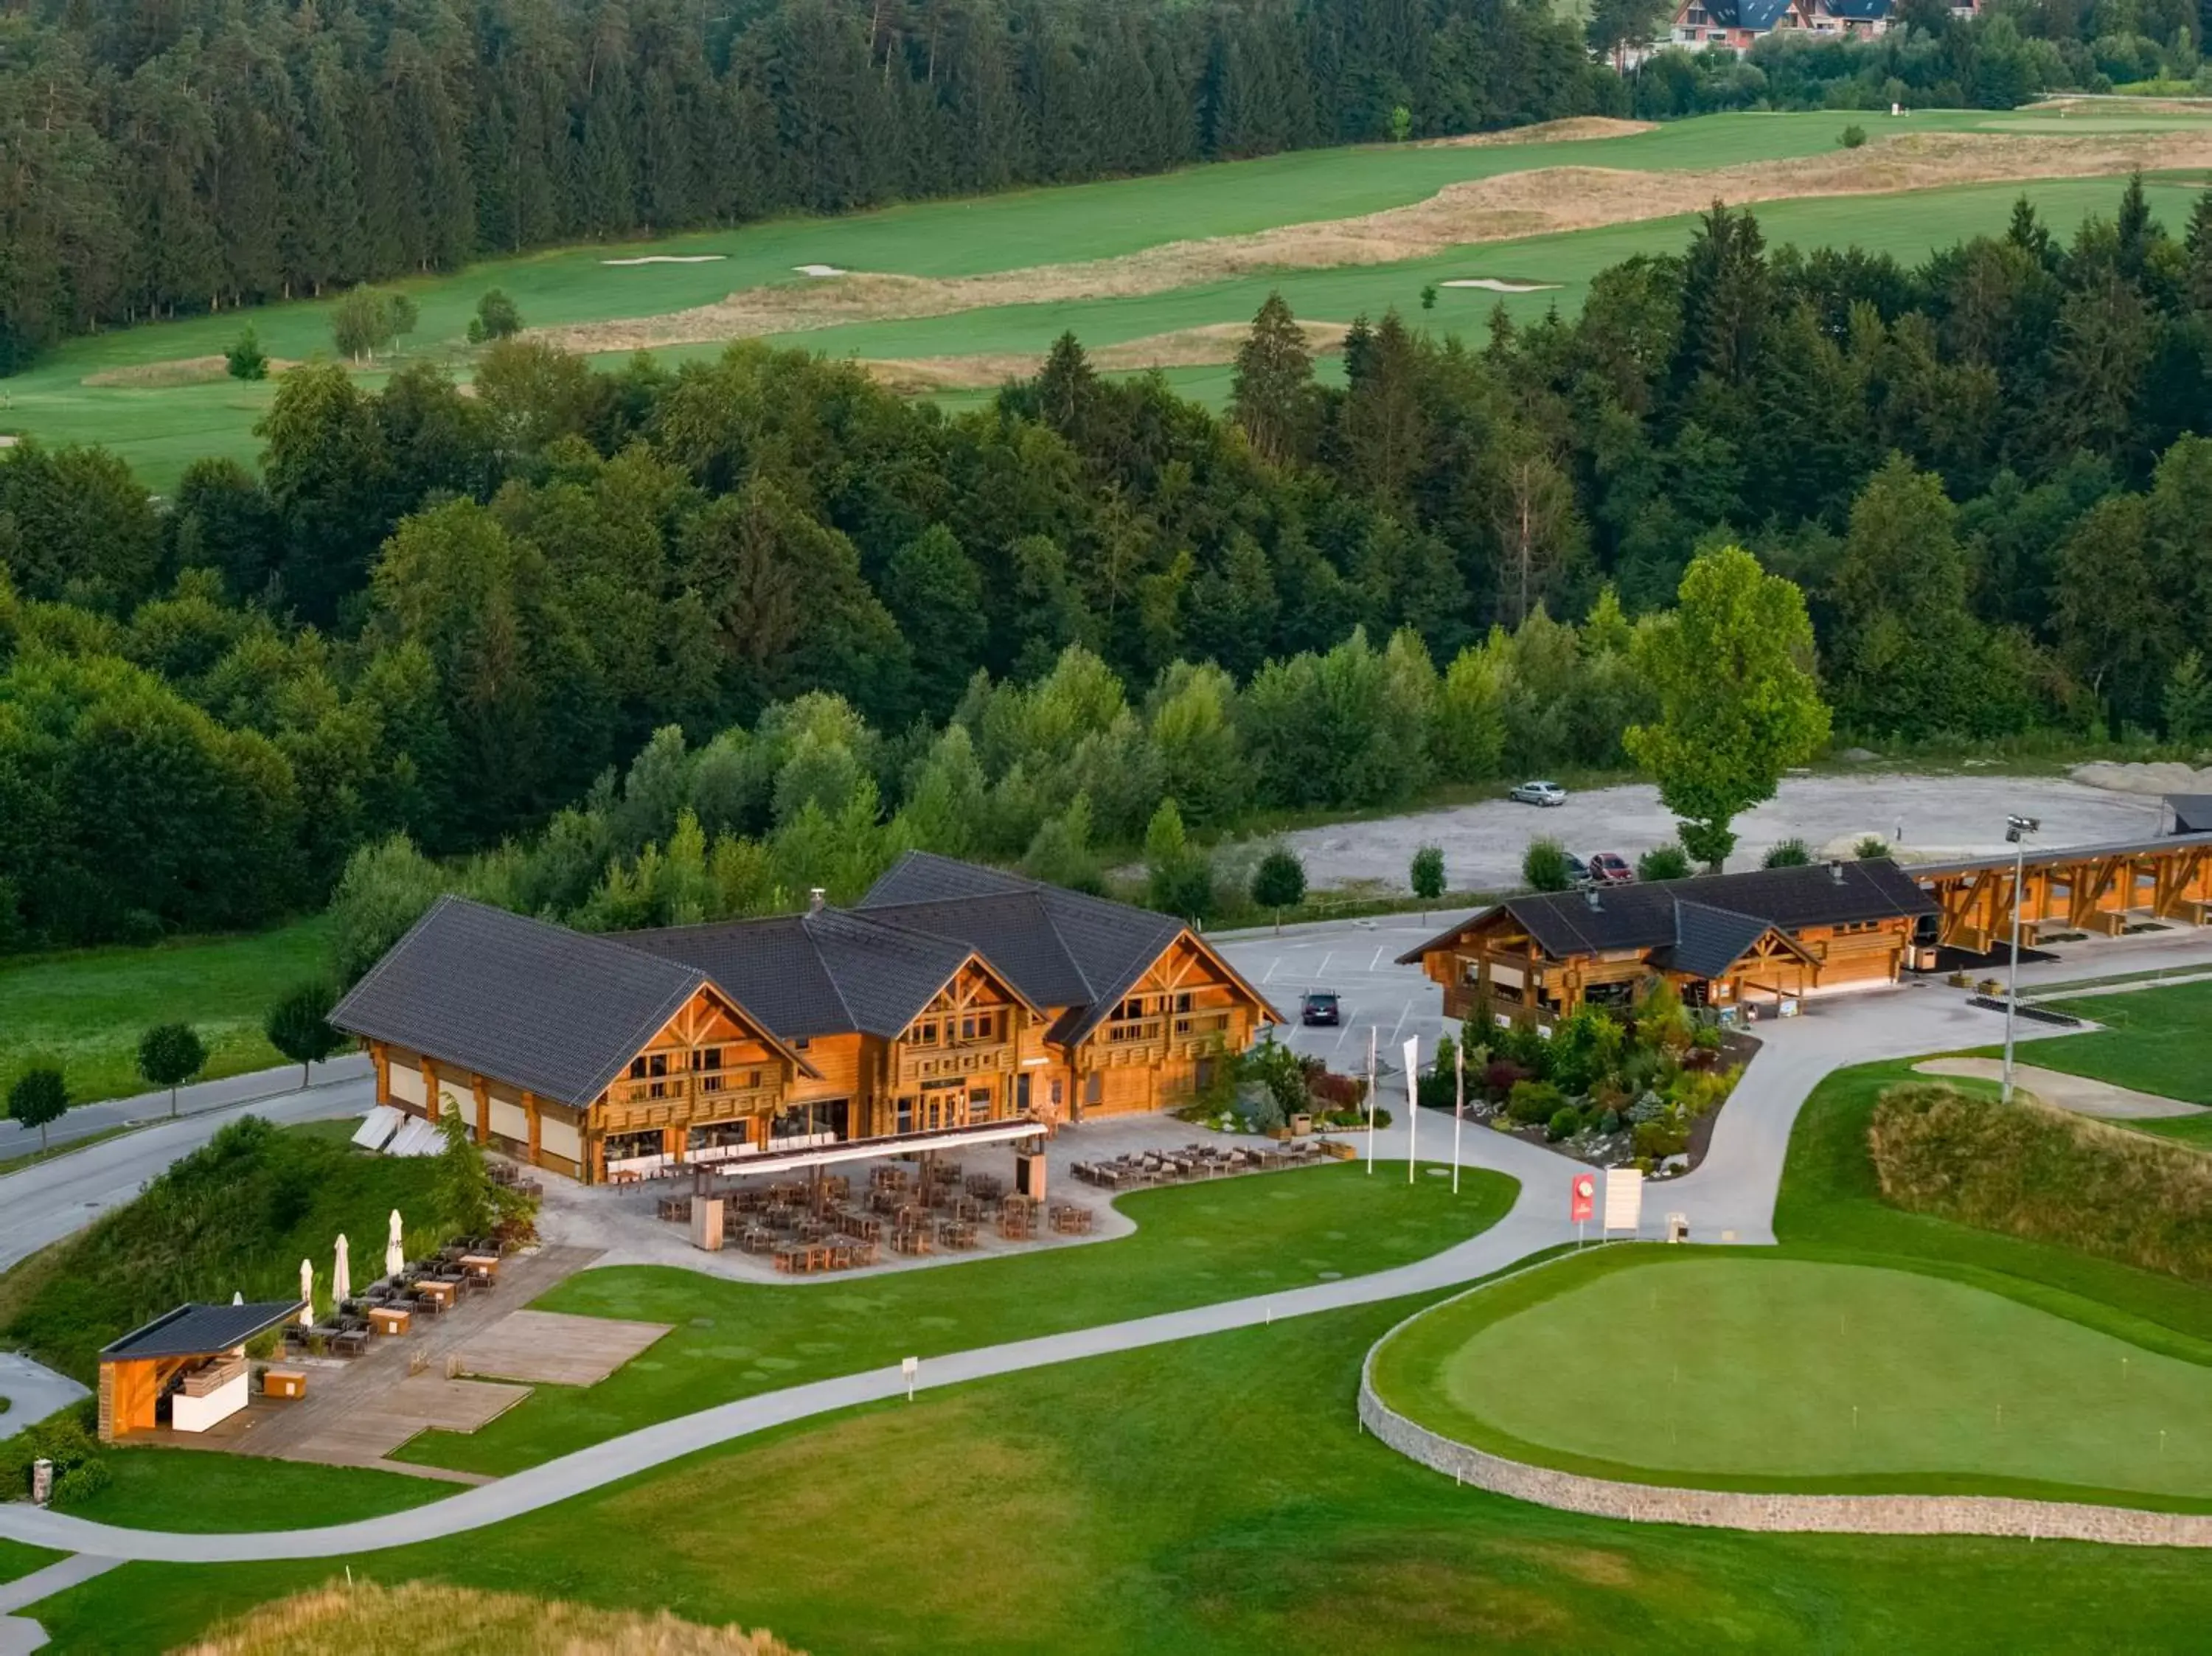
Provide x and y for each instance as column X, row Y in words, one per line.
column 826, row 973
column 1059, row 948
column 2192, row 812
column 1708, row 940
column 201, row 1330
column 1643, row 916
column 558, row 1012
column 2041, row 856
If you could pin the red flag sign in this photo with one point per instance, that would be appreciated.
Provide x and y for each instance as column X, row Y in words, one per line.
column 1583, row 1203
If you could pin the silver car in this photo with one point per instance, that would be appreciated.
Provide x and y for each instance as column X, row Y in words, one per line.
column 1539, row 793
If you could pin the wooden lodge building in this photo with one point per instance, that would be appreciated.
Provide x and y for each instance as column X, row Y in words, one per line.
column 1771, row 934
column 952, row 1003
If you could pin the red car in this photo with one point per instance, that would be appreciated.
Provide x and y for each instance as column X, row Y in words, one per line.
column 1611, row 868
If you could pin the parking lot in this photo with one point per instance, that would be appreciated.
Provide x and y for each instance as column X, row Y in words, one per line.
column 1922, row 818
column 1355, row 959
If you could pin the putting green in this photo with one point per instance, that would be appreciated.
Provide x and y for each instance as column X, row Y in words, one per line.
column 1736, row 1371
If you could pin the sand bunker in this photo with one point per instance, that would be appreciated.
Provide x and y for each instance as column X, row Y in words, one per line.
column 1574, row 129
column 1492, row 284
column 668, row 259
column 2080, row 1094
column 1513, row 205
column 1186, row 347
column 819, row 269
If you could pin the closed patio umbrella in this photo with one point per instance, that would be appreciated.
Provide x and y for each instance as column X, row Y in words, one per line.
column 342, row 1276
column 306, row 1293
column 395, row 1256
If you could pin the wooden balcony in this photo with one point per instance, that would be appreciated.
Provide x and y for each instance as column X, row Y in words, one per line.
column 678, row 1101
column 919, row 1064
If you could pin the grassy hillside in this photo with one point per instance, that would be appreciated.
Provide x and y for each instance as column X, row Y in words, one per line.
column 417, row 1619
column 2045, row 1174
column 236, row 1216
column 86, row 1010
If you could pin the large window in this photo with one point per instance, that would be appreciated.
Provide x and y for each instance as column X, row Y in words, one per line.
column 719, row 1136
column 629, row 1146
column 823, row 1119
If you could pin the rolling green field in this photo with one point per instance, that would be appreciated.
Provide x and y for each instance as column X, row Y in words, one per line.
column 1195, row 1244
column 1755, row 1371
column 161, row 429
column 86, row 1010
column 1218, row 1496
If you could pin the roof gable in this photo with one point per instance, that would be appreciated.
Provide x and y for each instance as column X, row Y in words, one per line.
column 1642, row 916
column 557, row 1012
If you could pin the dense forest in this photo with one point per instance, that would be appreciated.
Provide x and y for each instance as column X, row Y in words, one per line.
column 175, row 155
column 835, row 622
column 2005, row 55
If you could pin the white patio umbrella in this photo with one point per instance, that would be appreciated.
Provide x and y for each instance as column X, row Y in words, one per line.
column 395, row 1255
column 342, row 1277
column 306, row 1293
column 238, row 1296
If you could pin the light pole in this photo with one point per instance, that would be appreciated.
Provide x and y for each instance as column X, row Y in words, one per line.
column 2017, row 828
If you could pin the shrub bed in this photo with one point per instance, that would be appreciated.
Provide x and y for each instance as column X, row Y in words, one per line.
column 2031, row 1171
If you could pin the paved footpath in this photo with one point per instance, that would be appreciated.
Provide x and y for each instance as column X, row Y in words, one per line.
column 1732, row 1191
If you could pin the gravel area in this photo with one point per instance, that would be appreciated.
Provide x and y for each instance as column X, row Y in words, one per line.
column 1923, row 818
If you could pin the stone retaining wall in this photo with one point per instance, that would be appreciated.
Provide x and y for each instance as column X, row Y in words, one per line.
column 1856, row 1514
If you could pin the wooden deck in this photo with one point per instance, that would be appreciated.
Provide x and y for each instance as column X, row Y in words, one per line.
column 357, row 1412
column 554, row 1348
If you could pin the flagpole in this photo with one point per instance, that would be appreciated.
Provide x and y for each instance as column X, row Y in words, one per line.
column 1459, row 1105
column 1370, row 1098
column 1412, row 1101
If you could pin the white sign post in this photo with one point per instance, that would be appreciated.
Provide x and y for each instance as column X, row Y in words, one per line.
column 1624, row 1199
column 1459, row 1105
column 1370, row 1098
column 910, row 1366
column 1412, row 1101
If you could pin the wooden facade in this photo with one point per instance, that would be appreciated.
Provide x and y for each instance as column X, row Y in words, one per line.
column 2100, row 890
column 714, row 1086
column 1495, row 959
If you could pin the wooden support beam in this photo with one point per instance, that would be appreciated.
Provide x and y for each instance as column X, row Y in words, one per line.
column 483, row 1090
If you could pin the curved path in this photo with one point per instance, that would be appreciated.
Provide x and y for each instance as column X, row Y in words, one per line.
column 1733, row 1191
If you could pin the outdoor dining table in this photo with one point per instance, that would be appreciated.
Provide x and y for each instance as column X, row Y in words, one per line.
column 1071, row 1219
column 437, row 1290
column 389, row 1318
column 484, row 1267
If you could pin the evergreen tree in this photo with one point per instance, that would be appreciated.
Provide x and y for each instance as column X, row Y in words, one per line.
column 1273, row 395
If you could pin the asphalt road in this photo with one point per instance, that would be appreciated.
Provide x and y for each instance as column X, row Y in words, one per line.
column 89, row 1120
column 48, row 1200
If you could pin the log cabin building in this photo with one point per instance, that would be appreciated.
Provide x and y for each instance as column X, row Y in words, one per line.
column 1724, row 940
column 953, row 1001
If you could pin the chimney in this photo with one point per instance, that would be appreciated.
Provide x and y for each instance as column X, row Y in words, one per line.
column 816, row 896
column 1835, row 869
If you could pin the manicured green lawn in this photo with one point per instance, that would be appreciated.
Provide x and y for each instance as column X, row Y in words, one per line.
column 18, row 1560
column 1195, row 1244
column 160, row 430
column 1830, row 1207
column 87, row 1009
column 2156, row 1041
column 2184, row 1129
column 206, row 1492
column 1211, row 1496
column 1780, row 1373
